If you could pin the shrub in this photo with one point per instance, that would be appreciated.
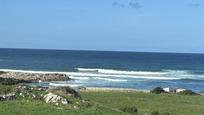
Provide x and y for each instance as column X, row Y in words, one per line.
column 187, row 92
column 132, row 110
column 158, row 90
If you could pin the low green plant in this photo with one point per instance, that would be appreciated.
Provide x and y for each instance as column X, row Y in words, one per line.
column 158, row 90
column 154, row 113
column 129, row 109
column 11, row 81
column 166, row 114
column 187, row 92
column 4, row 89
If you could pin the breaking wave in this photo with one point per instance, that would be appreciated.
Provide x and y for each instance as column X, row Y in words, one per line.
column 64, row 85
column 110, row 74
column 111, row 71
column 112, row 80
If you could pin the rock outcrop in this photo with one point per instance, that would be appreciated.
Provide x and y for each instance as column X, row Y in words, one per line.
column 35, row 77
column 65, row 92
column 53, row 98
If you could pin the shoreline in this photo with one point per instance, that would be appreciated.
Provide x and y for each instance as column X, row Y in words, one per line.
column 122, row 90
column 48, row 76
column 87, row 89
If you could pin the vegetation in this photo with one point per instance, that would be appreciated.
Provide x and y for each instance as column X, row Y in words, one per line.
column 158, row 90
column 154, row 113
column 132, row 110
column 30, row 101
column 5, row 89
column 187, row 92
column 11, row 81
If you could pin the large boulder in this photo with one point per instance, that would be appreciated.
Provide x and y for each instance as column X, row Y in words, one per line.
column 170, row 90
column 65, row 92
column 53, row 98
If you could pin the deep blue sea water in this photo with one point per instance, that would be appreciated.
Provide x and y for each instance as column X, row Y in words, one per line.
column 112, row 69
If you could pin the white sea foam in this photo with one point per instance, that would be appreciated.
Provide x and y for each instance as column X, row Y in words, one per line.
column 87, row 70
column 177, row 72
column 79, row 78
column 30, row 71
column 112, row 80
column 84, row 75
column 111, row 71
column 120, row 76
column 63, row 84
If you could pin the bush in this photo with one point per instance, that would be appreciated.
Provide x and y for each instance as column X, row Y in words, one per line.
column 187, row 92
column 158, row 90
column 132, row 110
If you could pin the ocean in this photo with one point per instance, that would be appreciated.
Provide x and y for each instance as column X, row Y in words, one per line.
column 137, row 70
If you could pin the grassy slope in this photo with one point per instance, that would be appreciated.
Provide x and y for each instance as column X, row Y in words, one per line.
column 176, row 104
column 109, row 103
column 40, row 108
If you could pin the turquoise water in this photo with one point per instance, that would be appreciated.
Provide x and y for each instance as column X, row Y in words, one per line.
column 112, row 69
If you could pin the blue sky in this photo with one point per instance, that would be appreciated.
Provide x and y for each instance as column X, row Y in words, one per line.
column 118, row 25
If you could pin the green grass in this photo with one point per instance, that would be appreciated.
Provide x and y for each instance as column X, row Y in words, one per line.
column 41, row 108
column 4, row 89
column 146, row 103
column 110, row 103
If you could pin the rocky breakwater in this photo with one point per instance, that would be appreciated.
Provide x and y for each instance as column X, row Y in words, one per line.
column 34, row 77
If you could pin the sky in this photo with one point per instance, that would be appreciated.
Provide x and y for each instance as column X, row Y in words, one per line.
column 113, row 25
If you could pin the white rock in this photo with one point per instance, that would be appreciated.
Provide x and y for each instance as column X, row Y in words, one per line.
column 21, row 94
column 169, row 90
column 64, row 101
column 76, row 107
column 48, row 97
column 52, row 98
column 180, row 90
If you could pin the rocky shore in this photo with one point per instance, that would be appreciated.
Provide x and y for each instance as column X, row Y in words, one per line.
column 34, row 77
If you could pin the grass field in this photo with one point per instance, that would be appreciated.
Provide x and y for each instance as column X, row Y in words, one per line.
column 110, row 103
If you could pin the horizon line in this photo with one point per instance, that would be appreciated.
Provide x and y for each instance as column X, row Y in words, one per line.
column 92, row 50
